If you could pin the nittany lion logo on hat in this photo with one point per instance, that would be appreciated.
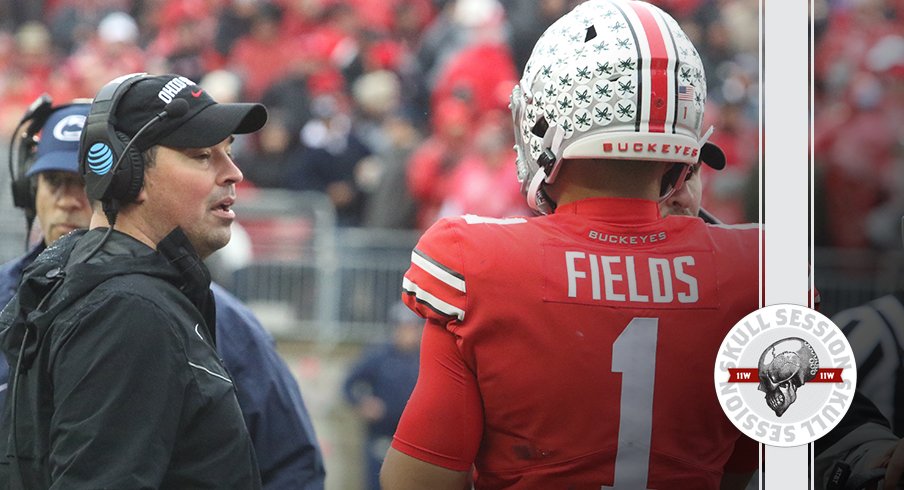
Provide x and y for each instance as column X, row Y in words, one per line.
column 69, row 128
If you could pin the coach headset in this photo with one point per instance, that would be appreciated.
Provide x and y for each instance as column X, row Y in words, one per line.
column 113, row 169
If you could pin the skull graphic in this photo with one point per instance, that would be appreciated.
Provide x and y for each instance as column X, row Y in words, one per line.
column 784, row 367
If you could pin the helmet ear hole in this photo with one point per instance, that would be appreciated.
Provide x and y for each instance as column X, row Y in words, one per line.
column 540, row 127
column 547, row 160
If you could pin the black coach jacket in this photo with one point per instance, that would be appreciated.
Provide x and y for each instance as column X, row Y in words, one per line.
column 119, row 384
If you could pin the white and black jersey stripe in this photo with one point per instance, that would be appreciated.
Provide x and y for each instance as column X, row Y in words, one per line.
column 876, row 333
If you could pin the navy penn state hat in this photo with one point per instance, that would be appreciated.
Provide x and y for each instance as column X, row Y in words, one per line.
column 58, row 146
column 205, row 123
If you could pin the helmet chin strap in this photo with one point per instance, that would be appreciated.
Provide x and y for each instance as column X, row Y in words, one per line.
column 536, row 198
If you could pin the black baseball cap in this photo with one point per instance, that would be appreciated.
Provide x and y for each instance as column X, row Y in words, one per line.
column 712, row 155
column 205, row 123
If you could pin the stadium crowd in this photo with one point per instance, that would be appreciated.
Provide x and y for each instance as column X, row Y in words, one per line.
column 387, row 107
column 859, row 122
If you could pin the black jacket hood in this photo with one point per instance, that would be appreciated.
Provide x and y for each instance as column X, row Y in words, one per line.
column 24, row 322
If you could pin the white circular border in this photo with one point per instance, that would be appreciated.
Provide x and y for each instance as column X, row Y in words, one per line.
column 720, row 376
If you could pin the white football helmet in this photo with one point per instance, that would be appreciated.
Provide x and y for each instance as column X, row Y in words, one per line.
column 614, row 79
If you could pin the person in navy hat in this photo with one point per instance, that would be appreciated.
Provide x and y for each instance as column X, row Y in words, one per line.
column 284, row 440
column 55, row 192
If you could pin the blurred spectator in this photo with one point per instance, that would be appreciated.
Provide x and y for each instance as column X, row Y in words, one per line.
column 737, row 137
column 328, row 158
column 393, row 138
column 481, row 69
column 184, row 39
column 436, row 158
column 222, row 85
column 292, row 95
column 275, row 143
column 234, row 22
column 483, row 75
column 14, row 13
column 73, row 22
column 446, row 35
column 262, row 56
column 390, row 204
column 376, row 95
column 27, row 71
column 528, row 21
column 410, row 18
column 379, row 384
column 111, row 52
column 337, row 39
column 482, row 183
column 301, row 16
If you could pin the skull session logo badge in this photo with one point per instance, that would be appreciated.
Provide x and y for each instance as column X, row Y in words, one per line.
column 783, row 371
column 785, row 375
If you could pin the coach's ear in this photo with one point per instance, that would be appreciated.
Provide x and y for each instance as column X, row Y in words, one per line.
column 142, row 196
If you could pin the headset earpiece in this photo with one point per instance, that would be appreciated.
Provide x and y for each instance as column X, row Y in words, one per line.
column 102, row 147
column 130, row 175
column 23, row 188
column 22, row 153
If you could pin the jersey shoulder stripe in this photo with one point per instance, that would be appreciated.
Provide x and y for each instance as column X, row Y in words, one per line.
column 424, row 297
column 875, row 331
column 434, row 285
column 437, row 270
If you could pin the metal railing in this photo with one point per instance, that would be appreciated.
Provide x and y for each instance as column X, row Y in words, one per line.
column 334, row 285
column 850, row 277
column 309, row 280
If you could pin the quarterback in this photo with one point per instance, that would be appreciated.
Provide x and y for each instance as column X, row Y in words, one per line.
column 572, row 349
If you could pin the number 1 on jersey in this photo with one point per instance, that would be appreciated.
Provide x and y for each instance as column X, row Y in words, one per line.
column 634, row 355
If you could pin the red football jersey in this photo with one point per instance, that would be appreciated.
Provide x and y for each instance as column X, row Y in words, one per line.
column 576, row 350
